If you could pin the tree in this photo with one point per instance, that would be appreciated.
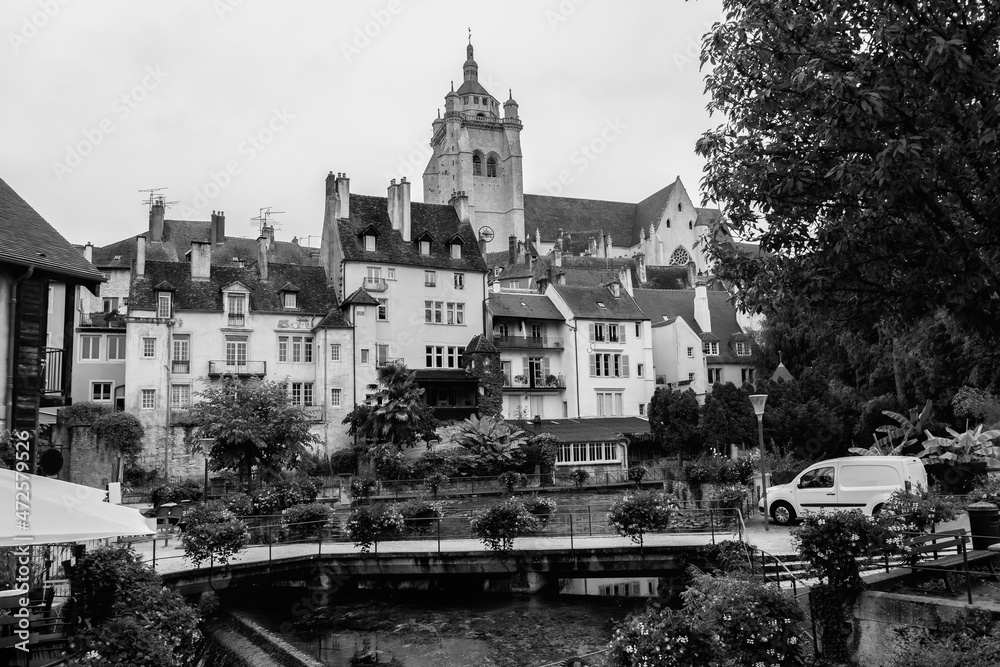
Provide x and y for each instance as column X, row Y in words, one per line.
column 728, row 418
column 859, row 148
column 399, row 415
column 253, row 424
column 673, row 418
column 213, row 534
column 636, row 514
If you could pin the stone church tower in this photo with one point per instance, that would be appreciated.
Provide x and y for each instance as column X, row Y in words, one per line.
column 478, row 152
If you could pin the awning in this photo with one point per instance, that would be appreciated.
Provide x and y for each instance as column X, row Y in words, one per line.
column 41, row 510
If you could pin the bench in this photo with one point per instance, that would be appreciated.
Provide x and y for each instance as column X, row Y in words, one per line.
column 945, row 566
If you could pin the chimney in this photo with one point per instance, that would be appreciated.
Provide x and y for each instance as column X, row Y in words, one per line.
column 140, row 256
column 269, row 233
column 559, row 239
column 520, row 252
column 511, row 250
column 482, row 246
column 538, row 239
column 592, row 246
column 156, row 221
column 640, row 259
column 557, row 254
column 392, row 203
column 607, row 245
column 496, row 286
column 692, row 274
column 625, row 278
column 262, row 257
column 701, row 312
column 403, row 195
column 88, row 252
column 343, row 184
column 460, row 201
column 217, row 230
column 201, row 261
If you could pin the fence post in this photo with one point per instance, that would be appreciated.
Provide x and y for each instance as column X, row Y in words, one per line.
column 439, row 534
column 572, row 548
column 590, row 521
column 711, row 523
column 154, row 551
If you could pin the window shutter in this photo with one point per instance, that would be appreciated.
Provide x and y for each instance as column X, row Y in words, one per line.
column 593, row 336
column 524, row 361
column 545, row 366
column 624, row 365
column 621, row 333
column 593, row 363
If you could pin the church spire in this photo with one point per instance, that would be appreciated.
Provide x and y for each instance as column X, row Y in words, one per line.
column 470, row 69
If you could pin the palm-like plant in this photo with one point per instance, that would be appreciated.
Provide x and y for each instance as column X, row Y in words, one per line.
column 895, row 439
column 489, row 435
column 973, row 445
column 400, row 415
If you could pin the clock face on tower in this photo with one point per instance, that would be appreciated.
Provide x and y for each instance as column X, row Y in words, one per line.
column 486, row 233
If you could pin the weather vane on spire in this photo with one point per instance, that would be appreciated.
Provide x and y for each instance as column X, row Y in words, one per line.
column 470, row 34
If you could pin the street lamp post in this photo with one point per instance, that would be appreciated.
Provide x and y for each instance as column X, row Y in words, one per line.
column 206, row 450
column 758, row 401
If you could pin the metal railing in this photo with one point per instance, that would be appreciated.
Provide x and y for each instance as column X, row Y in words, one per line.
column 534, row 382
column 242, row 368
column 103, row 320
column 53, row 371
column 538, row 342
column 376, row 284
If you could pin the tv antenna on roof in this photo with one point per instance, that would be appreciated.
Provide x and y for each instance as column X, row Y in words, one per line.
column 155, row 198
column 264, row 219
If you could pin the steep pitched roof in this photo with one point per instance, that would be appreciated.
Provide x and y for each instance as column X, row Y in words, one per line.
column 667, row 277
column 660, row 304
column 26, row 239
column 525, row 306
column 649, row 212
column 586, row 302
column 360, row 298
column 438, row 220
column 668, row 304
column 480, row 344
column 581, row 217
column 333, row 320
column 316, row 297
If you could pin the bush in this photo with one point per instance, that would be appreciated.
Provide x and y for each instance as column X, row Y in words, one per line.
column 986, row 491
column 435, row 481
column 307, row 520
column 121, row 430
column 734, row 557
column 213, row 533
column 176, row 492
column 638, row 513
column 104, row 576
column 390, row 463
column 541, row 507
column 663, row 638
column 637, row 473
column 279, row 496
column 362, row 488
column 697, row 474
column 135, row 475
column 732, row 496
column 344, row 461
column 919, row 509
column 509, row 480
column 497, row 526
column 579, row 476
column 239, row 504
column 420, row 516
column 367, row 525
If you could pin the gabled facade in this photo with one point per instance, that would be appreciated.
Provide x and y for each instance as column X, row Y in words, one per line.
column 192, row 323
column 423, row 267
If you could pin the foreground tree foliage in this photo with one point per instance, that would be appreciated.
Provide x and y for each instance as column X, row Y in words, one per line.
column 859, row 148
column 253, row 424
column 673, row 419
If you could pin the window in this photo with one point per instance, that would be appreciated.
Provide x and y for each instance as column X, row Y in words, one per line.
column 748, row 375
column 283, row 349
column 383, row 310
column 820, row 478
column 425, row 247
column 455, row 313
column 335, row 352
column 587, row 452
column 597, row 332
column 148, row 348
column 640, row 370
column 148, row 399
column 290, row 300
column 607, row 333
column 180, row 396
column 715, row 376
column 491, row 167
column 110, row 304
column 430, row 278
column 90, row 347
column 609, row 404
column 475, row 99
column 456, row 251
column 638, row 329
column 369, row 242
column 477, row 165
column 182, row 354
column 365, row 353
column 390, row 274
column 459, row 281
column 100, row 391
column 302, row 394
column 441, row 356
column 609, row 365
column 642, row 409
column 709, row 348
column 335, row 398
column 513, row 284
column 690, row 376
column 237, row 307
column 296, row 349
column 690, row 353
column 116, row 348
column 600, row 304
column 163, row 305
column 236, row 351
column 743, row 349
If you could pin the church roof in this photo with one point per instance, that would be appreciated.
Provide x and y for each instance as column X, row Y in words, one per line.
column 438, row 220
column 472, row 88
column 26, row 239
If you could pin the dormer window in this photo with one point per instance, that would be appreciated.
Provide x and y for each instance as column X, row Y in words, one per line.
column 456, row 250
column 163, row 305
column 600, row 304
column 369, row 242
column 616, row 290
column 289, row 300
column 425, row 247
column 236, row 310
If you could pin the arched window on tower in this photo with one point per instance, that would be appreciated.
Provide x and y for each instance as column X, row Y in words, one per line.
column 680, row 257
column 477, row 165
column 491, row 167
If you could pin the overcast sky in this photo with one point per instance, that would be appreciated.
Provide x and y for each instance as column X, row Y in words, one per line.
column 235, row 105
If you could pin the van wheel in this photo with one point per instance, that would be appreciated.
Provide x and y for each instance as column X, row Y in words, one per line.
column 782, row 513
column 876, row 511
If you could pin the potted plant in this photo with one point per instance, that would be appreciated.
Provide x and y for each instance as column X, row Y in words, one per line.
column 521, row 379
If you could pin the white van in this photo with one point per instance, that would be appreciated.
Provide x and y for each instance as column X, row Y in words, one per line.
column 854, row 482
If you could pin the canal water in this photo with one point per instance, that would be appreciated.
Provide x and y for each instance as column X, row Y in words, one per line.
column 434, row 629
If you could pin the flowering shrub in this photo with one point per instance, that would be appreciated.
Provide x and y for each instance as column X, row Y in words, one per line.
column 734, row 557
column 987, row 491
column 541, row 507
column 663, row 638
column 833, row 544
column 187, row 489
column 638, row 513
column 511, row 479
column 637, row 473
column 307, row 520
column 918, row 510
column 276, row 497
column 239, row 504
column 435, row 481
column 363, row 487
column 419, row 515
column 579, row 476
column 367, row 525
column 213, row 533
column 733, row 496
column 499, row 524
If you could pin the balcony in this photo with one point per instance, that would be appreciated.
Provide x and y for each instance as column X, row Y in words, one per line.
column 313, row 412
column 386, row 361
column 244, row 369
column 376, row 285
column 549, row 383
column 53, row 371
column 180, row 367
column 527, row 342
column 103, row 320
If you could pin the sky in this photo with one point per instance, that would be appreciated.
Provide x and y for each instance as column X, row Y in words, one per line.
column 237, row 105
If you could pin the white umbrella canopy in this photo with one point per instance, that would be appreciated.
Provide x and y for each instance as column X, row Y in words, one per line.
column 58, row 512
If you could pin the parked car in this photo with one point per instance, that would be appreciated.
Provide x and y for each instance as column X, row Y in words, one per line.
column 854, row 482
